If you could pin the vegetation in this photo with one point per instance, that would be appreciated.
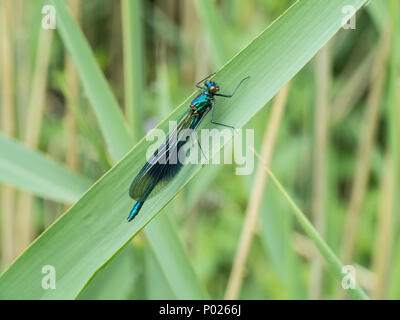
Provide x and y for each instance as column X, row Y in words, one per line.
column 76, row 103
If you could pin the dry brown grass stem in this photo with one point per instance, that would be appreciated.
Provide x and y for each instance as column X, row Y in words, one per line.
column 352, row 90
column 72, row 81
column 254, row 204
column 22, row 63
column 382, row 249
column 321, row 128
column 365, row 147
column 8, row 127
column 364, row 151
column 24, row 230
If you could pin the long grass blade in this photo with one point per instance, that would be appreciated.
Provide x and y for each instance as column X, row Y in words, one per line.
column 114, row 128
column 133, row 64
column 33, row 126
column 331, row 259
column 29, row 170
column 320, row 177
column 8, row 126
column 255, row 201
column 95, row 228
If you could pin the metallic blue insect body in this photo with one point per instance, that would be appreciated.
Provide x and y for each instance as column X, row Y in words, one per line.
column 160, row 169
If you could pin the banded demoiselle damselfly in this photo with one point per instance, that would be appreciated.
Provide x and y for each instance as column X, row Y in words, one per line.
column 160, row 170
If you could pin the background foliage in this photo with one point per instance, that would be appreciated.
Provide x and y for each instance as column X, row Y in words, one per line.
column 74, row 102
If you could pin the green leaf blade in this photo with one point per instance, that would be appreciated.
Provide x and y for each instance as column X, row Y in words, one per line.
column 29, row 170
column 95, row 228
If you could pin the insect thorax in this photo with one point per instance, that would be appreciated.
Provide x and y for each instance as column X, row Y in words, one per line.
column 202, row 103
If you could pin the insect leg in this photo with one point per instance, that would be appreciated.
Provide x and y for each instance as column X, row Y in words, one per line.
column 234, row 91
column 198, row 142
column 218, row 123
column 197, row 136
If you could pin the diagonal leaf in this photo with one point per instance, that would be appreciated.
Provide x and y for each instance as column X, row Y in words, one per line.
column 94, row 229
column 116, row 280
column 105, row 105
column 331, row 259
column 117, row 138
column 29, row 170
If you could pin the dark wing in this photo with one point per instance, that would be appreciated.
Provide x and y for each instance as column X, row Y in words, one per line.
column 158, row 171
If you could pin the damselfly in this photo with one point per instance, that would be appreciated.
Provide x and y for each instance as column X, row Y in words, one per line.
column 159, row 170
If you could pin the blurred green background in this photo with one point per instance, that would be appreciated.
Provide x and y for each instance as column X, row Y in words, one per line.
column 334, row 146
